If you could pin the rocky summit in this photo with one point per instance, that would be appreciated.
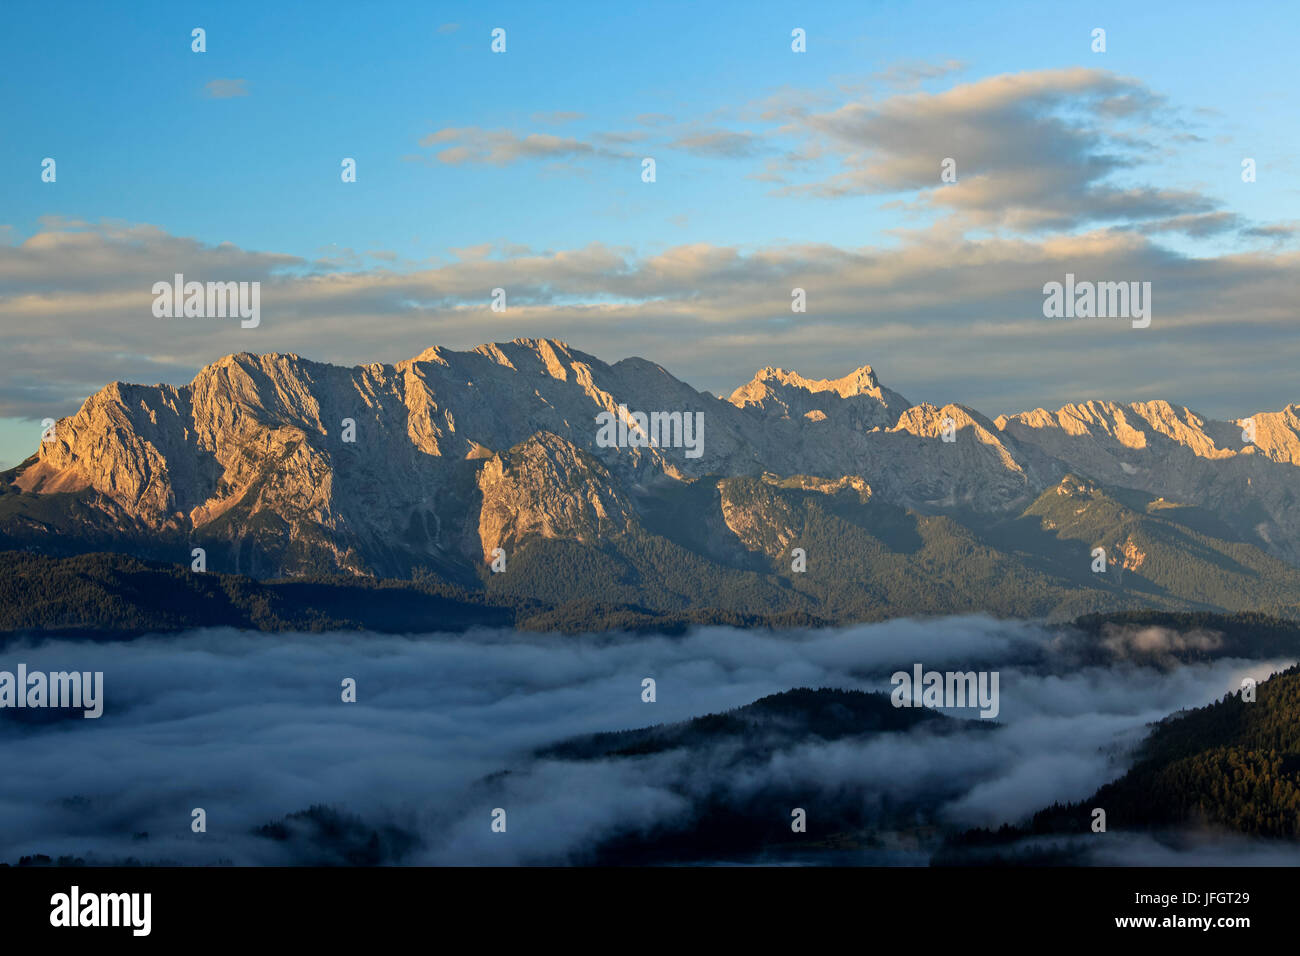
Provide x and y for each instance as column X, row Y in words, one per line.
column 279, row 466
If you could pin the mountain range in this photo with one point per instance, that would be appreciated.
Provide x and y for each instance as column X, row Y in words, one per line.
column 443, row 466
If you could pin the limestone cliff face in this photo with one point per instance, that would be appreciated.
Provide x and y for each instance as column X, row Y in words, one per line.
column 765, row 521
column 1171, row 451
column 547, row 487
column 289, row 466
column 977, row 467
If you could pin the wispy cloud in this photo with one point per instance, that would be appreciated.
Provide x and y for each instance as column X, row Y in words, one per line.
column 1032, row 151
column 1197, row 225
column 79, row 306
column 224, row 89
column 556, row 117
column 729, row 144
column 909, row 75
column 1278, row 232
column 501, row 147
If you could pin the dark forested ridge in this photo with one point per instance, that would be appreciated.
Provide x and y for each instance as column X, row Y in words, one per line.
column 106, row 596
column 112, row 595
column 719, row 819
column 1233, row 765
column 777, row 720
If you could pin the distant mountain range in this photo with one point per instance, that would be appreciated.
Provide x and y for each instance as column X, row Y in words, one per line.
column 281, row 467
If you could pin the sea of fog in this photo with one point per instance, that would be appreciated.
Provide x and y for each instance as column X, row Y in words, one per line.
column 251, row 727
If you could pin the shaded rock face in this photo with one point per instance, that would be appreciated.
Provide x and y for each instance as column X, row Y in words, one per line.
column 289, row 466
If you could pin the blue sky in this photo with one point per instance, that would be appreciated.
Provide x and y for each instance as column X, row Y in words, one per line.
column 118, row 100
column 711, row 91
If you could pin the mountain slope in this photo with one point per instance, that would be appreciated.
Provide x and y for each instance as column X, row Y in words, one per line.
column 1233, row 765
column 278, row 466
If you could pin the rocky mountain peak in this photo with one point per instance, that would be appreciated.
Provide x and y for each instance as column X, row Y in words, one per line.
column 856, row 400
column 379, row 467
column 861, row 381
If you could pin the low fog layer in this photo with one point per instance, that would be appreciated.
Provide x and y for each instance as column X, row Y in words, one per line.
column 251, row 727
